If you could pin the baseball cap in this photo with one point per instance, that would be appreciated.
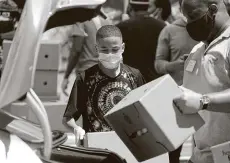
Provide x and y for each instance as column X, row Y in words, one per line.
column 139, row 2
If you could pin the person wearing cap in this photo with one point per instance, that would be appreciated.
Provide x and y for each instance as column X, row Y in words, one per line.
column 82, row 54
column 141, row 33
column 206, row 81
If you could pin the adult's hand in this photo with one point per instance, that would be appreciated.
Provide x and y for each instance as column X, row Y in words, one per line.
column 175, row 66
column 156, row 13
column 188, row 102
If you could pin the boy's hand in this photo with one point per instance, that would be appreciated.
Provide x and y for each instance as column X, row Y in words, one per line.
column 79, row 134
column 64, row 86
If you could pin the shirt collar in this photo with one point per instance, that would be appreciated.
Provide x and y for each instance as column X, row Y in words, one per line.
column 224, row 35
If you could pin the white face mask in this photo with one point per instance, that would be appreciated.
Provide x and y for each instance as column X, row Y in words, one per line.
column 110, row 61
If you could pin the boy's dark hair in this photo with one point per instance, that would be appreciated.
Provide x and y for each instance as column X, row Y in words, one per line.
column 108, row 31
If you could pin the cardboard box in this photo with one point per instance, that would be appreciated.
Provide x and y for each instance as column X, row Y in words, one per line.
column 48, row 57
column 221, row 153
column 55, row 111
column 70, row 140
column 187, row 150
column 45, row 83
column 111, row 141
column 148, row 122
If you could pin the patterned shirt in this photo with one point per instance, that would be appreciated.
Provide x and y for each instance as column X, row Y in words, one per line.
column 95, row 93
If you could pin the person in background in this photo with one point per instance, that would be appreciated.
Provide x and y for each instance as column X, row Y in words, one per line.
column 206, row 83
column 140, row 34
column 99, row 88
column 82, row 54
column 161, row 10
column 174, row 44
column 116, row 11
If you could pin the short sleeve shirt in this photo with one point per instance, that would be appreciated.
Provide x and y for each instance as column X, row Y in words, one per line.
column 207, row 70
column 94, row 94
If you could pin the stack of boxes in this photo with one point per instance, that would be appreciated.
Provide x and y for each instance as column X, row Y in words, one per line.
column 46, row 74
column 45, row 85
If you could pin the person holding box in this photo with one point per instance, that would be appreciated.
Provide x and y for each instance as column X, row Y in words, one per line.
column 206, row 82
column 102, row 86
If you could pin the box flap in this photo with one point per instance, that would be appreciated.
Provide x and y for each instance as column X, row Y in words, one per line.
column 136, row 94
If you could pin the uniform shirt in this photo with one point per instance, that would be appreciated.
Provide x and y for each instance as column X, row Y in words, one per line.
column 94, row 94
column 207, row 70
column 140, row 35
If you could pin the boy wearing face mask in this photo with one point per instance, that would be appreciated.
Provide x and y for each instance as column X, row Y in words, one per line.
column 102, row 86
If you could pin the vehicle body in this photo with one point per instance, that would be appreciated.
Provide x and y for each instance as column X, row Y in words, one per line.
column 18, row 74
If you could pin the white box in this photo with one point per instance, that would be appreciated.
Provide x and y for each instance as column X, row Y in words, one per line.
column 221, row 153
column 17, row 110
column 45, row 83
column 55, row 111
column 187, row 149
column 148, row 122
column 111, row 141
column 48, row 57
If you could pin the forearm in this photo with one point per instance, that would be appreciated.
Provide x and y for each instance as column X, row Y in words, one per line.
column 73, row 59
column 161, row 66
column 125, row 4
column 75, row 52
column 220, row 101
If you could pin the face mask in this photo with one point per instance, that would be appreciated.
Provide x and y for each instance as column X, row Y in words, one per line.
column 110, row 61
column 201, row 28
